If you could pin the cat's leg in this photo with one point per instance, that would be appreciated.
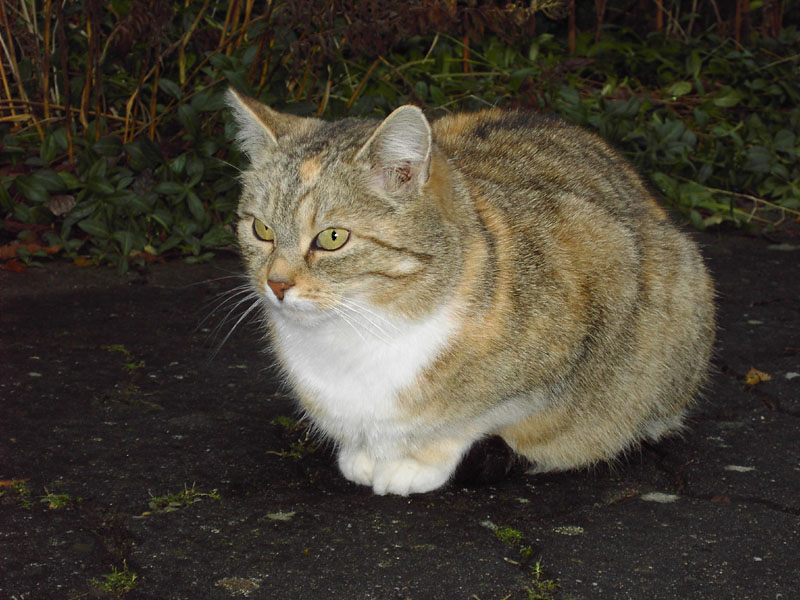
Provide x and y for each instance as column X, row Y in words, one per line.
column 421, row 471
column 356, row 465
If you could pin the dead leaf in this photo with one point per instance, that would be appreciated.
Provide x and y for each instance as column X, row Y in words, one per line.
column 82, row 261
column 754, row 376
column 11, row 250
column 12, row 482
column 13, row 265
column 61, row 204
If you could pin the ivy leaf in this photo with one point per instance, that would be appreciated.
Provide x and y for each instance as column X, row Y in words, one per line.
column 170, row 87
column 94, row 227
column 108, row 145
column 195, row 206
column 32, row 189
column 679, row 88
column 728, row 97
column 758, row 160
column 218, row 236
column 785, row 140
column 169, row 188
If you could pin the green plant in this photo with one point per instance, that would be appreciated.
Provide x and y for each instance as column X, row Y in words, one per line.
column 118, row 582
column 301, row 436
column 130, row 363
column 508, row 535
column 118, row 151
column 58, row 501
column 179, row 500
column 541, row 586
column 20, row 491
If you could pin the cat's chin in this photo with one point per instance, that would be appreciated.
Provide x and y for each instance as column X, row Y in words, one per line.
column 302, row 314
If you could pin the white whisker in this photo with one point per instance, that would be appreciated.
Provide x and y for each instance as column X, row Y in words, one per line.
column 255, row 304
column 366, row 319
column 349, row 320
column 363, row 308
column 231, row 296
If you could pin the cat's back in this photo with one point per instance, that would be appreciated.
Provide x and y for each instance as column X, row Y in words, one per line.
column 522, row 160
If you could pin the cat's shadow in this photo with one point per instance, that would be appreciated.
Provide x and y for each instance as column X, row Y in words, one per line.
column 489, row 460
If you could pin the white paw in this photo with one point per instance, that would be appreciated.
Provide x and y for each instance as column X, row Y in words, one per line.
column 356, row 465
column 408, row 476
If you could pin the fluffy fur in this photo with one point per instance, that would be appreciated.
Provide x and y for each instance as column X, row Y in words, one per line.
column 503, row 274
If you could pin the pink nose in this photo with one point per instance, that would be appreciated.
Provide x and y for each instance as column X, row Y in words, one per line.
column 279, row 288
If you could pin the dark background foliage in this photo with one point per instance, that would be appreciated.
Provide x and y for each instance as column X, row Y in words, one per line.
column 114, row 146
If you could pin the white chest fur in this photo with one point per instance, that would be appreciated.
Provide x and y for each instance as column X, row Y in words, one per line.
column 354, row 365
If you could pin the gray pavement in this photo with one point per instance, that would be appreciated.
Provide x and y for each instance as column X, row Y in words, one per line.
column 126, row 448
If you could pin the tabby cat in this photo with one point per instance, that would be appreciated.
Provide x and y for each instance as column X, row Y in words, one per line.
column 428, row 284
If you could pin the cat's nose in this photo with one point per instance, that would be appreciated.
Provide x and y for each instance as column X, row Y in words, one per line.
column 279, row 287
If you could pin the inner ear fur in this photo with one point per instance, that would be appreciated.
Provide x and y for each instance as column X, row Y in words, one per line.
column 399, row 151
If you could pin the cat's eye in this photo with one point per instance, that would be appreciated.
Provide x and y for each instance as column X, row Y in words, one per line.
column 331, row 239
column 263, row 232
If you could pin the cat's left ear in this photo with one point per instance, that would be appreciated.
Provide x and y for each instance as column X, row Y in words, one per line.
column 399, row 152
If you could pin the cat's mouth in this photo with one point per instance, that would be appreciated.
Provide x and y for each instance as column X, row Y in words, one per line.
column 297, row 309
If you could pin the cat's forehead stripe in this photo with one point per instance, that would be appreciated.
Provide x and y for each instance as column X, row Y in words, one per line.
column 310, row 169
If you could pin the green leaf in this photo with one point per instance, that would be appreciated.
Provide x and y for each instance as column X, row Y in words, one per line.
column 163, row 217
column 98, row 169
column 144, row 154
column 137, row 204
column 758, row 160
column 33, row 190
column 5, row 199
column 679, row 88
column 101, row 186
column 210, row 100
column 69, row 180
column 701, row 117
column 189, row 119
column 94, row 227
column 195, row 206
column 169, row 188
column 728, row 97
column 108, row 146
column 178, row 164
column 785, row 140
column 205, row 257
column 218, row 236
column 693, row 64
column 170, row 87
column 666, row 184
column 129, row 240
column 50, row 180
column 48, row 149
column 697, row 220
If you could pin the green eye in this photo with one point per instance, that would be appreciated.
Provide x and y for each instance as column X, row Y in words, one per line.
column 332, row 239
column 263, row 232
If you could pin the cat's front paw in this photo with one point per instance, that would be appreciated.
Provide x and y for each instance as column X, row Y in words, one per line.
column 356, row 465
column 409, row 476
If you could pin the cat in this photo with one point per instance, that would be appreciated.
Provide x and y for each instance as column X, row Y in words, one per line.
column 426, row 285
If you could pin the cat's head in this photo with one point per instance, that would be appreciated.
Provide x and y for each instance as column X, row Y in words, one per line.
column 351, row 212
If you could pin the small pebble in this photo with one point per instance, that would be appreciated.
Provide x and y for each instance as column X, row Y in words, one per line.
column 739, row 468
column 659, row 497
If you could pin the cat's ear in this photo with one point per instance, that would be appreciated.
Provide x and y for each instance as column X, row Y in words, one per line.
column 260, row 127
column 399, row 152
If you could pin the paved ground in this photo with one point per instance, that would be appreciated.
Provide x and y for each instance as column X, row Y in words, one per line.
column 125, row 448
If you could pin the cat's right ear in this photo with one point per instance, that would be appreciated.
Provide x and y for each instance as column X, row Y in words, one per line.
column 255, row 135
column 260, row 127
